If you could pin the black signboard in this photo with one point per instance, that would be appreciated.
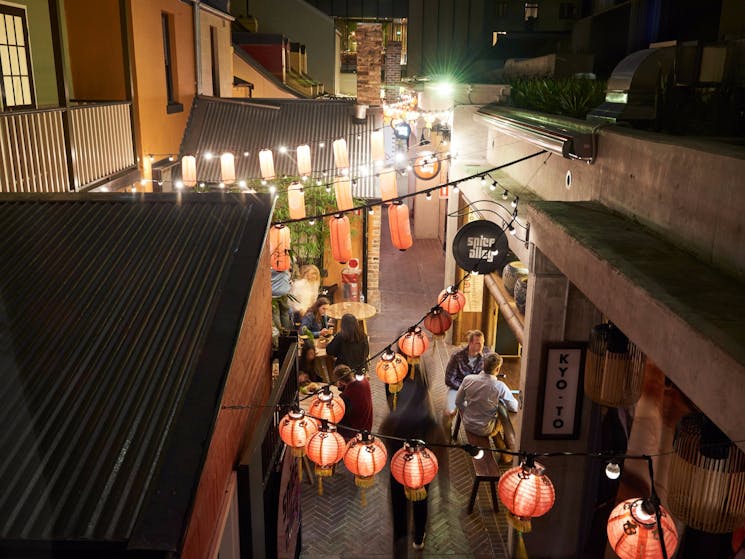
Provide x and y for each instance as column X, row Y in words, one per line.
column 474, row 246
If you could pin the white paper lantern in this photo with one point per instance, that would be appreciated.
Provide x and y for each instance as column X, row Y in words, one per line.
column 388, row 187
column 303, row 160
column 189, row 170
column 266, row 161
column 227, row 168
column 296, row 200
column 343, row 190
column 377, row 146
column 341, row 157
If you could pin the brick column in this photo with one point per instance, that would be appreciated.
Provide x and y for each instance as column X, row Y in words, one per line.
column 392, row 71
column 369, row 51
column 373, row 258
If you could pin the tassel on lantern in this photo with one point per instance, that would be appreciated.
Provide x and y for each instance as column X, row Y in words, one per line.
column 418, row 494
column 520, row 551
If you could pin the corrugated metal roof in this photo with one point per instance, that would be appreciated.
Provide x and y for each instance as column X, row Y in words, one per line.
column 108, row 305
column 218, row 125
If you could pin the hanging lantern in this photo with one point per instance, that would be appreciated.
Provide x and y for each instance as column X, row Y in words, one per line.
column 633, row 532
column 279, row 248
column 414, row 466
column 392, row 369
column 451, row 300
column 413, row 344
column 326, row 406
column 437, row 321
column 526, row 492
column 266, row 162
column 377, row 145
column 325, row 448
column 341, row 157
column 343, row 190
column 227, row 168
column 444, row 192
column 304, row 167
column 398, row 223
column 341, row 238
column 296, row 200
column 614, row 368
column 295, row 429
column 388, row 187
column 189, row 170
column 365, row 456
column 706, row 481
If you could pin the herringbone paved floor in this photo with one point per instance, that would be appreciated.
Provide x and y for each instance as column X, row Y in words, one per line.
column 335, row 524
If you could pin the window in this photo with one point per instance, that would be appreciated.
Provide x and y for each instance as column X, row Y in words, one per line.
column 501, row 9
column 173, row 105
column 17, row 84
column 531, row 10
column 567, row 10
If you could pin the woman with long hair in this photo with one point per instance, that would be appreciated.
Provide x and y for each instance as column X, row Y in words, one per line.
column 315, row 318
column 350, row 345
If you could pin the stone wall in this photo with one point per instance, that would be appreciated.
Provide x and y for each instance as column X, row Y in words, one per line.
column 373, row 258
column 392, row 71
column 369, row 63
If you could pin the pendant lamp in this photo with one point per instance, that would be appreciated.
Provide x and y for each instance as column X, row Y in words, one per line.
column 414, row 466
column 341, row 238
column 451, row 300
column 189, row 170
column 377, row 146
column 227, row 168
column 388, row 188
column 633, row 532
column 341, row 157
column 279, row 248
column 327, row 407
column 296, row 200
column 392, row 369
column 398, row 223
column 365, row 456
column 304, row 167
column 343, row 190
column 527, row 492
column 437, row 321
column 266, row 162
column 413, row 344
column 325, row 449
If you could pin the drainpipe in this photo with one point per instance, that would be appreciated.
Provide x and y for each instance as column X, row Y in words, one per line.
column 508, row 313
column 197, row 46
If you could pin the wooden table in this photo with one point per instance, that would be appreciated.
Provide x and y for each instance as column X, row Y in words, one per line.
column 361, row 311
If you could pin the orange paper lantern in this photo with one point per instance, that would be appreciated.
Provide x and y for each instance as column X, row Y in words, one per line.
column 398, row 222
column 392, row 369
column 266, row 163
column 388, row 187
column 295, row 429
column 343, row 191
column 365, row 456
column 341, row 157
column 304, row 167
column 296, row 200
column 377, row 145
column 326, row 406
column 227, row 168
column 279, row 248
column 437, row 321
column 451, row 300
column 414, row 466
column 341, row 238
column 526, row 491
column 633, row 532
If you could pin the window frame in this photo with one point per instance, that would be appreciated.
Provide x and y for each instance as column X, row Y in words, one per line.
column 20, row 12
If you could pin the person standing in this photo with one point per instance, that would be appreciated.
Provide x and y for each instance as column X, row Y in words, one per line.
column 466, row 361
column 357, row 397
column 413, row 418
column 280, row 301
column 305, row 289
column 350, row 345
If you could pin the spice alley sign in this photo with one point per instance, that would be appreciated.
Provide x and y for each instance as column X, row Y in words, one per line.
column 561, row 401
column 474, row 246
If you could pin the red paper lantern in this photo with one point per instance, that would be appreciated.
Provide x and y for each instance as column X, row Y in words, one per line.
column 526, row 491
column 295, row 429
column 437, row 321
column 398, row 223
column 325, row 448
column 279, row 248
column 451, row 300
column 414, row 342
column 633, row 532
column 365, row 456
column 341, row 238
column 414, row 466
column 327, row 406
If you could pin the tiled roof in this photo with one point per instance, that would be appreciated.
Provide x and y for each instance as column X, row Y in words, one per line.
column 236, row 125
column 109, row 307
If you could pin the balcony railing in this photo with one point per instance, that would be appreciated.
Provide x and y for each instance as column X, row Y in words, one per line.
column 36, row 155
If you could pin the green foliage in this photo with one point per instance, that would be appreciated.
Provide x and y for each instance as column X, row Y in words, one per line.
column 573, row 97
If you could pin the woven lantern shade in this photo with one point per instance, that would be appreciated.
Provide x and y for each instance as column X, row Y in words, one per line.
column 437, row 321
column 295, row 429
column 325, row 406
column 341, row 238
column 388, row 187
column 279, row 248
column 614, row 368
column 413, row 344
column 377, row 145
column 526, row 492
column 343, row 191
column 633, row 532
column 365, row 456
column 296, row 200
column 398, row 223
column 706, row 481
column 325, row 448
column 341, row 157
column 414, row 466
column 451, row 300
column 266, row 162
column 304, row 167
column 189, row 170
column 227, row 168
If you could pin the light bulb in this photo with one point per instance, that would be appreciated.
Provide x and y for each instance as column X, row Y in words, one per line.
column 514, row 202
column 359, row 377
column 495, row 251
column 505, row 194
column 612, row 470
column 428, row 196
column 179, row 184
column 479, row 455
column 371, row 211
column 312, row 221
column 208, row 155
column 282, row 149
column 483, row 181
column 455, row 189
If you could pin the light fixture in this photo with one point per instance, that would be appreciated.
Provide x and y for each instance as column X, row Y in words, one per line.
column 476, row 452
column 428, row 196
column 633, row 531
column 483, row 180
column 282, row 149
column 208, row 155
column 179, row 184
column 493, row 186
column 246, row 153
column 512, row 230
column 612, row 470
column 505, row 194
column 371, row 210
column 414, row 466
column 242, row 183
column 322, row 145
column 272, row 189
column 515, row 201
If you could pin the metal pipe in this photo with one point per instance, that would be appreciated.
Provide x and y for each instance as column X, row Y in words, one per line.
column 508, row 313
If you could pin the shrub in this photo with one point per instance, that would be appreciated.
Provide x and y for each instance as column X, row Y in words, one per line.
column 572, row 97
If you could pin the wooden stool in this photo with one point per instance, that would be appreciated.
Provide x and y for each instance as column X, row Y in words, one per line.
column 485, row 468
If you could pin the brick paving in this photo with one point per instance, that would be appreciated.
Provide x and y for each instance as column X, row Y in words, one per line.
column 335, row 524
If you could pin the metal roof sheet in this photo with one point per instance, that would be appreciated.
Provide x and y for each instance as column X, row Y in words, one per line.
column 108, row 306
column 238, row 126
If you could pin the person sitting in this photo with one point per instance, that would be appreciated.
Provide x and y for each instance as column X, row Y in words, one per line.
column 483, row 402
column 316, row 319
column 358, row 415
column 308, row 365
column 350, row 345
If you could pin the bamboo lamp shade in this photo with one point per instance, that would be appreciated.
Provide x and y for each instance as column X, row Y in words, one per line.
column 365, row 456
column 227, row 168
column 437, row 321
column 377, row 145
column 327, row 406
column 526, row 491
column 304, row 167
column 414, row 466
column 414, row 342
column 451, row 300
column 343, row 191
column 189, row 170
column 706, row 480
column 279, row 248
column 266, row 163
column 341, row 238
column 296, row 200
column 295, row 429
column 614, row 368
column 388, row 187
column 398, row 223
column 633, row 532
column 341, row 156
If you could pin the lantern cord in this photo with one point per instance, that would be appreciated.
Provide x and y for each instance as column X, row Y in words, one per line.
column 655, row 501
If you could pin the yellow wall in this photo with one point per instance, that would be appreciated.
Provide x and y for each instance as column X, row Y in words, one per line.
column 263, row 88
column 208, row 22
column 158, row 132
column 94, row 38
